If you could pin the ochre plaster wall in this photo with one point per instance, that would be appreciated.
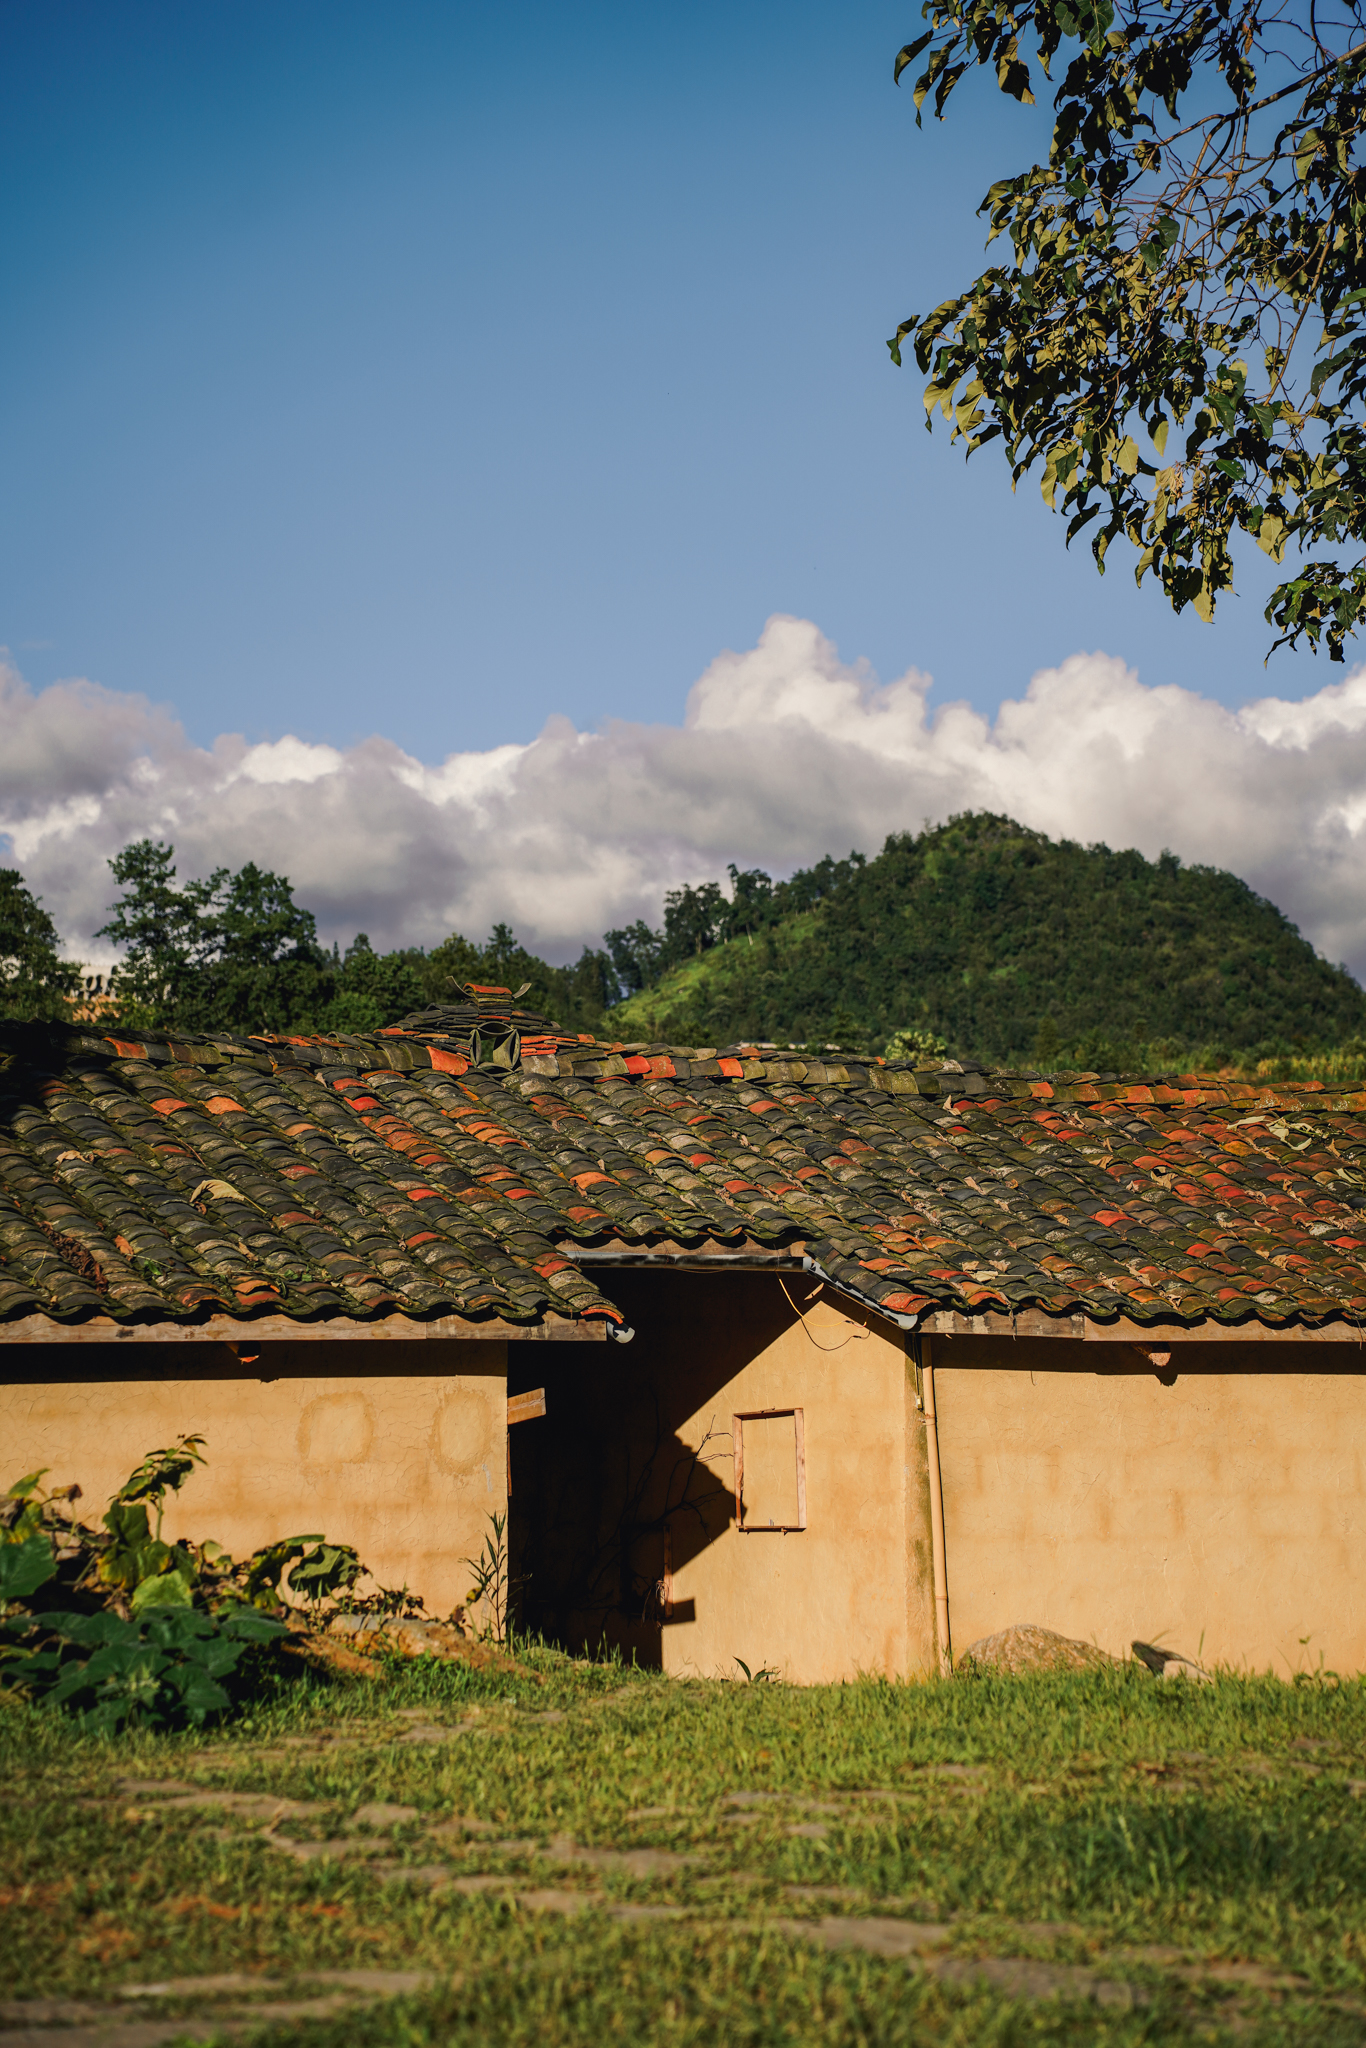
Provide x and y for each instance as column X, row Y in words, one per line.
column 851, row 1593
column 1228, row 1509
column 405, row 1466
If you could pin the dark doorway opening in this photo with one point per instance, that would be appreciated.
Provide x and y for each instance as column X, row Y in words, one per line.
column 610, row 1492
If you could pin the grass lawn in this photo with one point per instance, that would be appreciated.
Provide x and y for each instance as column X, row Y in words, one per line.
column 566, row 1852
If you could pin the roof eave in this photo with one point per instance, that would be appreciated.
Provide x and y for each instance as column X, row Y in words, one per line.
column 258, row 1330
column 1034, row 1322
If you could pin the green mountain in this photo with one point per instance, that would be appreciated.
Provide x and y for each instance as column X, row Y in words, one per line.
column 1008, row 946
column 978, row 938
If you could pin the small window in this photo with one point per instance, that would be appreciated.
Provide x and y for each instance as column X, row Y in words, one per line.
column 770, row 1471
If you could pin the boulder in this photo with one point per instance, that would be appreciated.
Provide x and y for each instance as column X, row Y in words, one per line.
column 1027, row 1648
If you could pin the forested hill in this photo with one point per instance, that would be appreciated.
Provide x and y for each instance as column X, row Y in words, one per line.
column 1009, row 946
column 979, row 939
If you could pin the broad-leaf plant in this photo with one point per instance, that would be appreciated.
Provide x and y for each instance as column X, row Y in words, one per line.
column 119, row 1627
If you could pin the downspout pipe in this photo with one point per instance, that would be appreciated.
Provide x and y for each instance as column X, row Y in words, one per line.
column 937, row 1546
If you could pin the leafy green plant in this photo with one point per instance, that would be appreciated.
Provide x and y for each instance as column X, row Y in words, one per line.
column 491, row 1586
column 308, row 1565
column 162, row 1472
column 767, row 1674
column 919, row 1047
column 135, row 1561
column 160, row 1664
column 26, row 1504
column 120, row 1627
column 162, row 1668
column 396, row 1602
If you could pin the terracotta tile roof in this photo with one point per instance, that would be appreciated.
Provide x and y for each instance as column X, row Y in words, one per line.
column 452, row 1165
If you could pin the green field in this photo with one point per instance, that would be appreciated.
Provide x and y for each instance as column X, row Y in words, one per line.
column 583, row 1853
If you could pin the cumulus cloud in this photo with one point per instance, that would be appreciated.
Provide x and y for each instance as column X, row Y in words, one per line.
column 784, row 753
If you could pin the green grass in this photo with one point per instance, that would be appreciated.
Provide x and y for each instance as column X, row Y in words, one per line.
column 1103, row 1814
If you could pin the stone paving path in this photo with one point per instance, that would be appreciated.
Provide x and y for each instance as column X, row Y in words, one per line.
column 76, row 2023
column 401, row 1845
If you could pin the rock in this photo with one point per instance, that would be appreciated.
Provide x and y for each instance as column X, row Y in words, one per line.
column 1026, row 1648
column 412, row 1637
column 1167, row 1664
column 327, row 1655
column 376, row 1634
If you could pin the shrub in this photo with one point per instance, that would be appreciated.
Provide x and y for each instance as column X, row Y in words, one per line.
column 119, row 1627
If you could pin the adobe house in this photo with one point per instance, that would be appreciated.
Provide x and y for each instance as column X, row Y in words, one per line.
column 820, row 1364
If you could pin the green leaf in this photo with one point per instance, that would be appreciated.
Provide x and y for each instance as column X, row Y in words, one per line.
column 200, row 1695
column 22, row 1488
column 26, row 1566
column 163, row 1471
column 909, row 54
column 1271, row 535
column 1012, row 76
column 166, row 1589
column 326, row 1569
column 248, row 1625
column 90, row 1631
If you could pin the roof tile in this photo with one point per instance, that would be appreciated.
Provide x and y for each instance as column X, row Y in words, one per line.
column 449, row 1164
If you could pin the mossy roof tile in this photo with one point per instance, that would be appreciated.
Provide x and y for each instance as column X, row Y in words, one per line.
column 452, row 1165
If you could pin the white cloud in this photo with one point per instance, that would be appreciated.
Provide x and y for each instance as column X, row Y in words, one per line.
column 785, row 753
column 288, row 760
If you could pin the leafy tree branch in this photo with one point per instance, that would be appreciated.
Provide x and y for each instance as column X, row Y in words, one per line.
column 1191, row 256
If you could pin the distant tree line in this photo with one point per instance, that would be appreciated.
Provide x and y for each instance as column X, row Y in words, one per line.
column 234, row 952
column 978, row 938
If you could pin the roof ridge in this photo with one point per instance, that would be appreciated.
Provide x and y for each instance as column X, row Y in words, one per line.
column 486, row 1031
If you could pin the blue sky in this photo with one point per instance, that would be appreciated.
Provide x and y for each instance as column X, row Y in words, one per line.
column 428, row 370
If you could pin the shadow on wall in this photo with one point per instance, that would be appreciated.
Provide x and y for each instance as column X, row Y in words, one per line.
column 608, row 1495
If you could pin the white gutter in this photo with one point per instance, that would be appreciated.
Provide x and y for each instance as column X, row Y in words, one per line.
column 907, row 1323
column 735, row 1262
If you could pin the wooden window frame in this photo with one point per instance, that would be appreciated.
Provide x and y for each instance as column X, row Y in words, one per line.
column 737, row 1423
